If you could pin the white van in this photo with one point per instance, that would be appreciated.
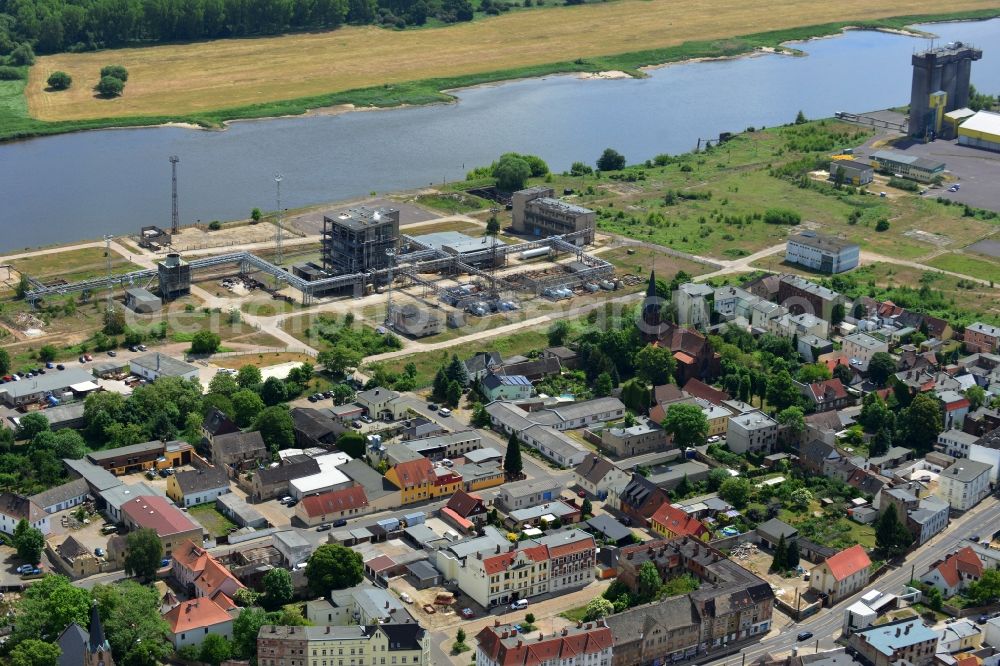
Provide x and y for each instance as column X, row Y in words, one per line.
column 520, row 604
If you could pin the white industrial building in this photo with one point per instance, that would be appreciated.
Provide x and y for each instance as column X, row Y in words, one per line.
column 820, row 252
column 328, row 478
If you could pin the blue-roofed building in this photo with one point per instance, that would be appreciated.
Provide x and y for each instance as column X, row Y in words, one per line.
column 507, row 387
column 910, row 640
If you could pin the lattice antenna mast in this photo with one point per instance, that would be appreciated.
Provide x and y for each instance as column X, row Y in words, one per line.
column 174, row 218
column 390, row 253
column 277, row 181
column 107, row 254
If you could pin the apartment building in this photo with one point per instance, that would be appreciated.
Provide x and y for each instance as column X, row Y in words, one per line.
column 904, row 640
column 827, row 254
column 860, row 347
column 964, row 484
column 691, row 302
column 754, row 431
column 403, row 644
column 841, row 575
column 982, row 338
column 586, row 644
column 800, row 295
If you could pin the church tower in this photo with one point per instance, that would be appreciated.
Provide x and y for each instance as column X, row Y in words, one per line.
column 651, row 307
column 98, row 648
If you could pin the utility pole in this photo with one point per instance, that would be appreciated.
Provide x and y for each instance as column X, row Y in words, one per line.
column 277, row 181
column 390, row 253
column 174, row 219
column 107, row 254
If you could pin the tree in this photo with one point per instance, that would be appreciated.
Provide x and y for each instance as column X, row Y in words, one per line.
column 800, row 498
column 880, row 367
column 736, row 491
column 976, row 396
column 648, row 581
column 246, row 626
column 683, row 488
column 882, row 224
column 59, row 80
column 249, row 377
column 47, row 354
column 352, row 443
column 934, row 599
column 143, row 554
column 891, row 536
column 922, row 422
column 33, row 652
column 598, row 608
column 456, row 371
column 635, row 395
column 117, row 71
column 586, row 507
column 793, row 419
column 454, row 394
column 30, row 425
column 837, row 314
column 22, row 55
column 205, row 342
column 255, row 215
column 223, row 383
column 558, row 333
column 655, row 364
column 109, row 86
column 611, row 160
column 716, row 478
column 880, row 443
column 986, row 590
column 811, row 373
column 512, row 463
column 800, row 118
column 338, row 360
column 4, row 362
column 603, row 385
column 277, row 585
column 47, row 607
column 687, row 423
column 439, row 389
column 781, row 391
column 792, row 558
column 511, row 173
column 247, row 405
column 875, row 414
column 843, row 373
column 273, row 391
column 780, row 555
column 29, row 542
column 839, row 175
column 276, row 428
column 138, row 634
column 215, row 648
column 333, row 567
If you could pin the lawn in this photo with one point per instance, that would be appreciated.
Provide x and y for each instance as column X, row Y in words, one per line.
column 73, row 265
column 248, row 76
column 966, row 264
column 454, row 202
column 262, row 360
column 577, row 614
column 428, row 362
column 210, row 518
column 640, row 260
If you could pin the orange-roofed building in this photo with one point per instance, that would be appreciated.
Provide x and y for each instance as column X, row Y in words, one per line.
column 841, row 575
column 333, row 505
column 191, row 621
column 200, row 574
column 954, row 573
column 587, row 644
column 670, row 521
column 414, row 478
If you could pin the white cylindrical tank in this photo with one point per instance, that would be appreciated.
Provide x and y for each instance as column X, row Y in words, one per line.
column 536, row 252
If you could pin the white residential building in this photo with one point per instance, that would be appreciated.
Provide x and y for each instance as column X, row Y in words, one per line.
column 964, row 484
column 15, row 508
column 820, row 252
column 753, row 431
column 956, row 443
column 691, row 301
column 860, row 347
column 987, row 450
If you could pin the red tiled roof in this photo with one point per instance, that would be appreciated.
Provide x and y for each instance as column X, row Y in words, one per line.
column 957, row 404
column 848, row 562
column 334, row 501
column 684, row 357
column 380, row 563
column 676, row 521
column 505, row 647
column 156, row 513
column 700, row 389
column 963, row 561
column 497, row 563
column 415, row 472
column 578, row 546
column 195, row 614
column 465, row 504
column 451, row 515
column 831, row 389
column 214, row 577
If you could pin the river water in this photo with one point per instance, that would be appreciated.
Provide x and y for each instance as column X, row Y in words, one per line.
column 81, row 186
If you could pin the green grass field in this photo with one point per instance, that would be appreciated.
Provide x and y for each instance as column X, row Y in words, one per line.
column 967, row 264
column 210, row 518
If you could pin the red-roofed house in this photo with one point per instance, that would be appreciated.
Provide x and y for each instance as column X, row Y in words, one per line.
column 587, row 644
column 190, row 621
column 469, row 506
column 699, row 389
column 673, row 522
column 333, row 505
column 200, row 574
column 954, row 573
column 827, row 395
column 841, row 575
column 494, row 578
column 158, row 514
column 414, row 478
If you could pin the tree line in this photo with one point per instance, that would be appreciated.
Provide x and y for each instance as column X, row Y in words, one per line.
column 52, row 26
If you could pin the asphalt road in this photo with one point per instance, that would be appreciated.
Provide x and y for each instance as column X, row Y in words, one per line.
column 826, row 625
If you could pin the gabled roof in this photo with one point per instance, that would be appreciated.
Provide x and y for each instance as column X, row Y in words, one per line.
column 217, row 423
column 199, row 480
column 594, row 468
column 827, row 391
column 198, row 613
column 18, row 508
column 699, row 389
column 334, row 501
column 415, row 472
column 466, row 504
column 288, row 471
column 504, row 646
column 156, row 513
column 677, row 521
column 848, row 562
column 962, row 562
column 62, row 493
column 239, row 442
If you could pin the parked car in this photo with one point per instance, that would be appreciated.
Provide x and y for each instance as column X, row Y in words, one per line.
column 50, row 365
column 405, row 598
column 285, row 500
column 323, row 528
column 356, row 424
column 444, row 411
column 292, row 503
column 340, row 522
column 804, row 635
column 25, row 567
column 109, row 529
column 581, row 494
column 520, row 604
column 165, row 562
column 143, row 347
column 112, row 353
column 432, row 406
column 468, row 614
column 367, row 419
column 312, row 398
column 99, row 552
column 150, row 474
column 60, row 367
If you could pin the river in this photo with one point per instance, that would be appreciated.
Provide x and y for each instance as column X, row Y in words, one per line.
column 83, row 185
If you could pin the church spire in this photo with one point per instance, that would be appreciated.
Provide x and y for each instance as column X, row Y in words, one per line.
column 651, row 307
column 98, row 642
column 651, row 287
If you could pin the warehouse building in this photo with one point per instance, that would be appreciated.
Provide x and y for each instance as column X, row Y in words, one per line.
column 536, row 211
column 141, row 301
column 855, row 173
column 981, row 131
column 820, row 252
column 908, row 166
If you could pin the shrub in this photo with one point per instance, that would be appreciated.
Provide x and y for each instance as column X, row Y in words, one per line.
column 904, row 184
column 117, row 71
column 59, row 80
column 214, row 225
column 782, row 216
column 882, row 225
column 11, row 74
column 109, row 86
column 23, row 55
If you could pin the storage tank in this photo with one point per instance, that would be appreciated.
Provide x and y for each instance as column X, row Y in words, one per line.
column 536, row 252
